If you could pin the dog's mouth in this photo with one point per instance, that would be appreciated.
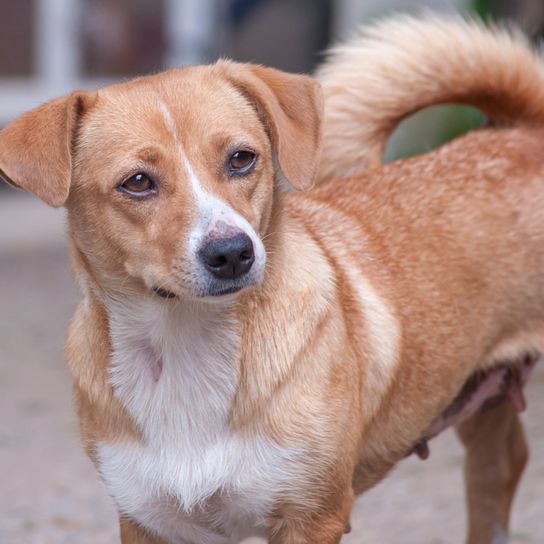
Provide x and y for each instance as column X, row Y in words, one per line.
column 482, row 391
column 164, row 293
column 226, row 291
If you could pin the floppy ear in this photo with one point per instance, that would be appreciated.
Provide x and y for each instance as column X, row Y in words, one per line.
column 36, row 149
column 291, row 108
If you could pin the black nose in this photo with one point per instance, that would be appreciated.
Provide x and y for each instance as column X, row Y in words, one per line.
column 228, row 258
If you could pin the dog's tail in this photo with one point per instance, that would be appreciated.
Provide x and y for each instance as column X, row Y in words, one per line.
column 405, row 64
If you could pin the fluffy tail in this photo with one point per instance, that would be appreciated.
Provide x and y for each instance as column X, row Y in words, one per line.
column 405, row 64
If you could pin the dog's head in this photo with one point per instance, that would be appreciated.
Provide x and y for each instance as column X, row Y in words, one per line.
column 169, row 179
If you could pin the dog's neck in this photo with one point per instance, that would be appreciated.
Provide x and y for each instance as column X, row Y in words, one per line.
column 181, row 355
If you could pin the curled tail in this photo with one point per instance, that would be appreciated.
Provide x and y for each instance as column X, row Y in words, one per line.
column 405, row 64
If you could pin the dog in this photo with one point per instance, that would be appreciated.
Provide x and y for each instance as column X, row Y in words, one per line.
column 246, row 360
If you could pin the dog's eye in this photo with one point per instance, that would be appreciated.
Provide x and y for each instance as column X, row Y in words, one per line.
column 241, row 162
column 139, row 185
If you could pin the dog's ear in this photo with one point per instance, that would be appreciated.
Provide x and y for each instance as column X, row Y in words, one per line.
column 291, row 109
column 36, row 149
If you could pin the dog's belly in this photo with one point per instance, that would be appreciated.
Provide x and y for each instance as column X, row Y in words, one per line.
column 218, row 496
column 483, row 390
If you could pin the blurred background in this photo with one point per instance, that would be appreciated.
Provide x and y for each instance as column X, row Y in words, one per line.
column 48, row 490
column 51, row 47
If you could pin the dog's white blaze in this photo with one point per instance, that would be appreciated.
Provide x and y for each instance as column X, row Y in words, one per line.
column 188, row 454
column 384, row 339
column 212, row 209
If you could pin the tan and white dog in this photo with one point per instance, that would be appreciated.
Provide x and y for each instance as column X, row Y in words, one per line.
column 246, row 360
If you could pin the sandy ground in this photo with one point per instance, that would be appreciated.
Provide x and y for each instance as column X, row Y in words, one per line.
column 49, row 492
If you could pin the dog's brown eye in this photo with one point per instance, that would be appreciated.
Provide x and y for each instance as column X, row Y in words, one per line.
column 241, row 162
column 139, row 185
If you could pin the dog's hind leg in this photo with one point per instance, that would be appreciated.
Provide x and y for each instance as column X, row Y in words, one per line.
column 496, row 454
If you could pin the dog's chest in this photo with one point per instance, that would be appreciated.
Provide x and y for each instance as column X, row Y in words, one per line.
column 192, row 479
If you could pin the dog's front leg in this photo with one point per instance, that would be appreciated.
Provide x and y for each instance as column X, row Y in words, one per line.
column 325, row 526
column 132, row 533
column 496, row 453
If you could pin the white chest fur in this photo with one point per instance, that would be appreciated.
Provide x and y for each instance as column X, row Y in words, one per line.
column 193, row 479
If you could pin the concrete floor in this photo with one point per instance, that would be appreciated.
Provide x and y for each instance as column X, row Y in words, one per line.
column 49, row 493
